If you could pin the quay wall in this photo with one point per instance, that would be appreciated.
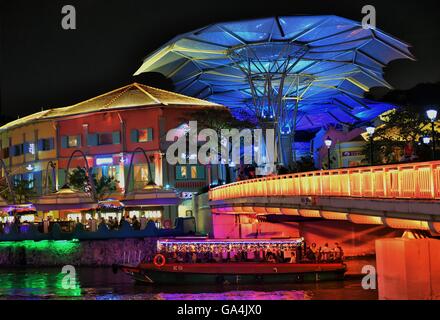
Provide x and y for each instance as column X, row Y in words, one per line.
column 90, row 253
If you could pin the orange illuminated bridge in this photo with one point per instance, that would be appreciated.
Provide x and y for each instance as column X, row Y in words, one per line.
column 401, row 196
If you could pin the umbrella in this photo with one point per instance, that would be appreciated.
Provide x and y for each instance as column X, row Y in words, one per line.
column 293, row 72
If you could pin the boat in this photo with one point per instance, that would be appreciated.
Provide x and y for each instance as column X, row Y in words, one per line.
column 175, row 273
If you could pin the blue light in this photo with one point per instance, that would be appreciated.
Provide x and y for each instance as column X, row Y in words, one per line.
column 104, row 161
column 313, row 82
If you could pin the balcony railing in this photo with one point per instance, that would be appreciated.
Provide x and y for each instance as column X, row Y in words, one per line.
column 399, row 181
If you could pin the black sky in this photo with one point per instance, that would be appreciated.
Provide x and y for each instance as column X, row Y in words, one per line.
column 44, row 66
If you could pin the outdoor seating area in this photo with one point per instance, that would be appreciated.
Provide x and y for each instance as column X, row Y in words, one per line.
column 73, row 230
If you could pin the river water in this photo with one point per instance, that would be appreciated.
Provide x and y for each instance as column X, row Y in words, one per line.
column 102, row 284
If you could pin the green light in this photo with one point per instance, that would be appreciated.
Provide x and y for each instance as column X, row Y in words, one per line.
column 63, row 247
column 37, row 283
column 62, row 292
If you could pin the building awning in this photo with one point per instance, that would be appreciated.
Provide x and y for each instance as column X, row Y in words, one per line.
column 65, row 199
column 152, row 196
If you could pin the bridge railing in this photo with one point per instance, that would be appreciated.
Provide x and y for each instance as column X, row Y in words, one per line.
column 405, row 181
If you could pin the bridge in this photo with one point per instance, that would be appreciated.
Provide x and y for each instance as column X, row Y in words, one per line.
column 400, row 196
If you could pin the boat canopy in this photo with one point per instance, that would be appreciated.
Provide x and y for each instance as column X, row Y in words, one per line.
column 222, row 242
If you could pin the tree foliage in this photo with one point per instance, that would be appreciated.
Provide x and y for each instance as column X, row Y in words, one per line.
column 104, row 186
column 407, row 123
column 217, row 119
column 23, row 192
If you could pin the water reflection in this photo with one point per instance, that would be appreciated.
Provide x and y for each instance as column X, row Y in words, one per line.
column 102, row 284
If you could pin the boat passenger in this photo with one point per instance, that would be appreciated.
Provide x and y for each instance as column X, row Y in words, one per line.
column 193, row 257
column 287, row 254
column 225, row 254
column 217, row 256
column 339, row 252
column 179, row 258
column 244, row 253
column 325, row 251
column 312, row 253
column 232, row 254
column 271, row 258
column 257, row 254
column 292, row 257
column 279, row 256
column 251, row 254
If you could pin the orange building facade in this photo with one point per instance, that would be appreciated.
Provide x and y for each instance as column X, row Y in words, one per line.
column 107, row 129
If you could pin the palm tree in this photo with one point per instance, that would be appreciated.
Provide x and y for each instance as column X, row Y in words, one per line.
column 104, row 186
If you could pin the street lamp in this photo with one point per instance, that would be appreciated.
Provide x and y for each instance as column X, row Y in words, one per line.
column 432, row 115
column 370, row 131
column 426, row 140
column 328, row 143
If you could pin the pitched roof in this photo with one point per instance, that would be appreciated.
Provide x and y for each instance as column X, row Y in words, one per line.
column 130, row 96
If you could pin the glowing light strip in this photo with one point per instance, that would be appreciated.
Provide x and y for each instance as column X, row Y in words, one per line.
column 224, row 242
column 420, row 181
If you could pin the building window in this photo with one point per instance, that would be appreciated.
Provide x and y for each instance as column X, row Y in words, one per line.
column 113, row 172
column 190, row 172
column 145, row 135
column 141, row 175
column 108, row 171
column 102, row 139
column 105, row 138
column 193, row 172
column 45, row 144
column 72, row 141
column 29, row 147
column 142, row 135
column 30, row 179
column 16, row 179
column 17, row 150
column 183, row 172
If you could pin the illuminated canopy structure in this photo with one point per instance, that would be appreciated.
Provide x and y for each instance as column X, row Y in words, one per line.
column 292, row 73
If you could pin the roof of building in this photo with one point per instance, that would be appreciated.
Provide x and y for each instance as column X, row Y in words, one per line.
column 320, row 67
column 131, row 96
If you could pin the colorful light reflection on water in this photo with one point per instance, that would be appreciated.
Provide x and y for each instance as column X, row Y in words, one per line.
column 102, row 284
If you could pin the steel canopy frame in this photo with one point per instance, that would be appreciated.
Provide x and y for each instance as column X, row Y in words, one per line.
column 292, row 73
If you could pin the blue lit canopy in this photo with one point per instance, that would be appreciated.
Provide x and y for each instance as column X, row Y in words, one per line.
column 301, row 72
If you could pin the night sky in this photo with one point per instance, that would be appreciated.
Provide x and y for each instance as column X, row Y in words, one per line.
column 44, row 66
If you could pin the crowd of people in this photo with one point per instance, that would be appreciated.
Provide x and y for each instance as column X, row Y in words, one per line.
column 325, row 253
column 91, row 224
column 273, row 253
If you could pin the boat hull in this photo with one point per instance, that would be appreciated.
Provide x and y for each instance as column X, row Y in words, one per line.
column 245, row 273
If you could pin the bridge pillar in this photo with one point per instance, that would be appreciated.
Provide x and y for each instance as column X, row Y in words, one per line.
column 407, row 269
column 287, row 150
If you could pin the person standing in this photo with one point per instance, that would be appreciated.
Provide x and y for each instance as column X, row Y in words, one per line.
column 325, row 251
column 339, row 252
column 287, row 254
